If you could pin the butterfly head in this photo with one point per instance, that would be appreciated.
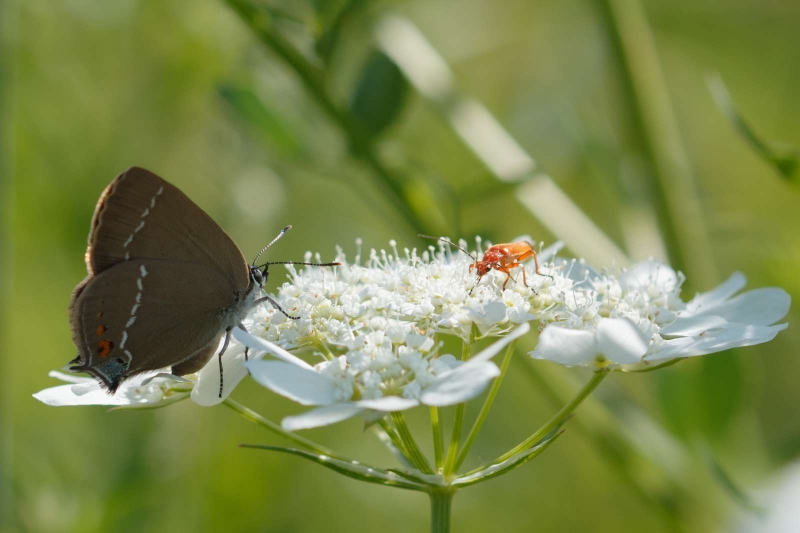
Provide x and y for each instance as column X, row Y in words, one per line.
column 259, row 277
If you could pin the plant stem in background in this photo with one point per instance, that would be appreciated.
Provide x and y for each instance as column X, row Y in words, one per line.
column 441, row 503
column 261, row 24
column 558, row 418
column 678, row 201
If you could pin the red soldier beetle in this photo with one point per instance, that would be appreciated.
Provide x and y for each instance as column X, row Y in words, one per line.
column 501, row 257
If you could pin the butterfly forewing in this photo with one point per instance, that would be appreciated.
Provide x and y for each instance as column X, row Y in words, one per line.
column 141, row 216
column 145, row 315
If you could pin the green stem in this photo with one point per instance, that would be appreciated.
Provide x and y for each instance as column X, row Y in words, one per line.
column 252, row 416
column 678, row 202
column 441, row 503
column 558, row 418
column 458, row 422
column 438, row 439
column 260, row 22
column 487, row 405
column 417, row 457
column 396, row 440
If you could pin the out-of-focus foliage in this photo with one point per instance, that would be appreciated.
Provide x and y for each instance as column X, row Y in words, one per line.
column 184, row 88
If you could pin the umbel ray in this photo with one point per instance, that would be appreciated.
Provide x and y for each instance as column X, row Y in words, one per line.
column 165, row 286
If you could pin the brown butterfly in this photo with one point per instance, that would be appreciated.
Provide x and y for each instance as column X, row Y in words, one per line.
column 165, row 284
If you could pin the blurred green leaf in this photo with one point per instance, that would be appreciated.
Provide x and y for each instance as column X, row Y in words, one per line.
column 352, row 469
column 254, row 113
column 677, row 399
column 720, row 388
column 728, row 485
column 379, row 95
column 783, row 157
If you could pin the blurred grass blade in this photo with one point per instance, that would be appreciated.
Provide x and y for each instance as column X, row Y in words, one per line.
column 379, row 95
column 728, row 485
column 784, row 160
column 509, row 464
column 490, row 142
column 254, row 113
column 352, row 469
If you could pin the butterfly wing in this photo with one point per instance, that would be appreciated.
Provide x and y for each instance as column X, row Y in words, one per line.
column 141, row 216
column 143, row 315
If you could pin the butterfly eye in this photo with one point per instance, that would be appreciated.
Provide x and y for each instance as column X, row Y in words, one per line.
column 257, row 276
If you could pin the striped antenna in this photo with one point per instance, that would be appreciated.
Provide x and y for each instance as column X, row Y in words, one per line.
column 264, row 249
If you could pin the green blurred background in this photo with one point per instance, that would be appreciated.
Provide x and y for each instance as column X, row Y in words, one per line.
column 187, row 89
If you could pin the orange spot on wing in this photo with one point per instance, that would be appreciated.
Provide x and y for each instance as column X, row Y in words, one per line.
column 100, row 330
column 104, row 348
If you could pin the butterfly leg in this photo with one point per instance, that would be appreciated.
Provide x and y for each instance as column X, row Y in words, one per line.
column 246, row 348
column 222, row 351
column 276, row 305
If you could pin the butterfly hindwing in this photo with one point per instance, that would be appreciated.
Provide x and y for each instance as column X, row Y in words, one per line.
column 143, row 315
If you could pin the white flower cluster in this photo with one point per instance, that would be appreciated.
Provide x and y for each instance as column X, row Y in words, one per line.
column 636, row 317
column 409, row 293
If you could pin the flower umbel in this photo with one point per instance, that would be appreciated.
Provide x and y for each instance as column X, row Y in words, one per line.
column 636, row 317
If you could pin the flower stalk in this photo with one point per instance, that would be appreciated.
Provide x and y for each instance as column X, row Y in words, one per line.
column 458, row 422
column 417, row 457
column 487, row 405
column 559, row 417
column 441, row 504
column 438, row 439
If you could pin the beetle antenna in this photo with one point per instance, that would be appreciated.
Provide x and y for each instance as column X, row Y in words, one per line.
column 264, row 249
column 449, row 242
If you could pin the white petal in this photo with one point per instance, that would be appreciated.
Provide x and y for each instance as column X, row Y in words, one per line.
column 62, row 395
column 206, row 391
column 388, row 404
column 303, row 385
column 459, row 385
column 759, row 307
column 257, row 343
column 566, row 346
column 321, row 416
column 621, row 341
column 70, row 378
column 734, row 336
column 496, row 347
column 693, row 325
column 707, row 300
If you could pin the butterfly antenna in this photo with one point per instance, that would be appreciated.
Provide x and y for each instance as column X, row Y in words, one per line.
column 300, row 263
column 448, row 242
column 264, row 249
